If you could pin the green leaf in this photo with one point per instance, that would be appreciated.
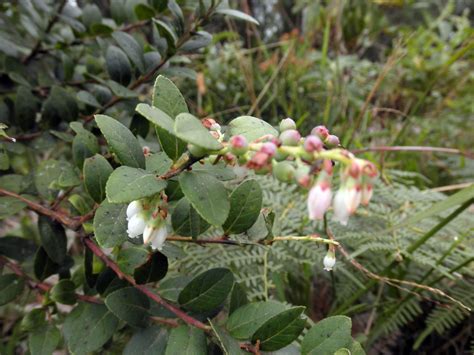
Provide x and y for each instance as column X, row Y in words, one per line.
column 153, row 270
column 121, row 142
column 207, row 195
column 59, row 106
column 144, row 12
column 53, row 239
column 88, row 327
column 54, row 175
column 64, row 292
column 454, row 200
column 132, row 48
column 158, row 163
column 168, row 33
column 84, row 144
column 149, row 341
column 168, row 98
column 207, row 291
column 26, row 107
column 43, row 265
column 164, row 125
column 33, row 320
column 96, row 173
column 87, row 98
column 129, row 259
column 43, row 341
column 229, row 345
column 356, row 348
column 239, row 15
column 245, row 205
column 250, row 127
column 190, row 129
column 327, row 336
column 10, row 206
column 238, row 298
column 220, row 171
column 17, row 248
column 280, row 330
column 129, row 305
column 127, row 184
column 110, row 224
column 245, row 321
column 118, row 65
column 186, row 340
column 10, row 287
column 171, row 287
column 186, row 221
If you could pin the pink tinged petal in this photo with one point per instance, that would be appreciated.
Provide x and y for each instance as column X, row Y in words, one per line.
column 367, row 191
column 159, row 238
column 352, row 198
column 136, row 226
column 133, row 208
column 319, row 200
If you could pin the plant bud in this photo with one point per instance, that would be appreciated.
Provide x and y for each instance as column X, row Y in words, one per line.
column 290, row 137
column 136, row 226
column 133, row 208
column 197, row 151
column 313, row 144
column 284, row 171
column 320, row 131
column 238, row 145
column 287, row 124
column 319, row 200
column 269, row 148
column 329, row 260
column 332, row 141
column 215, row 127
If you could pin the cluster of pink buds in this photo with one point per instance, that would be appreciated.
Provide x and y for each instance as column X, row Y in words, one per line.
column 309, row 162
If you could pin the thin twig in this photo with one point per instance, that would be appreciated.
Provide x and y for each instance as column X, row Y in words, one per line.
column 40, row 286
column 96, row 250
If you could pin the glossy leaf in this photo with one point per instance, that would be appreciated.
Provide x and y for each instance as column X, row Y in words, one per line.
column 149, row 341
column 64, row 292
column 121, row 141
column 110, row 224
column 186, row 221
column 186, row 340
column 131, row 47
column 207, row 195
column 280, row 330
column 118, row 65
column 245, row 205
column 129, row 305
column 88, row 327
column 190, row 129
column 250, row 127
column 128, row 184
column 96, row 173
column 43, row 341
column 239, row 15
column 153, row 270
column 327, row 336
column 17, row 248
column 207, row 291
column 53, row 239
column 10, row 288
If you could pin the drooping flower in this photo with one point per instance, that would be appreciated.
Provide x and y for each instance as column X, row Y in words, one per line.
column 159, row 238
column 319, row 200
column 329, row 260
column 136, row 226
column 133, row 208
column 341, row 212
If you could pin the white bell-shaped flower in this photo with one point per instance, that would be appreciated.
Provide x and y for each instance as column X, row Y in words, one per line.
column 136, row 226
column 155, row 236
column 329, row 261
column 341, row 210
column 133, row 208
column 319, row 200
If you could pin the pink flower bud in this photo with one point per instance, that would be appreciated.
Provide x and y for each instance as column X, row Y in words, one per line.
column 332, row 141
column 258, row 161
column 320, row 131
column 290, row 137
column 319, row 200
column 313, row 144
column 238, row 145
column 366, row 193
column 208, row 122
column 269, row 148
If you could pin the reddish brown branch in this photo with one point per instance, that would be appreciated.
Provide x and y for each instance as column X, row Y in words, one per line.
column 40, row 286
column 71, row 222
column 142, row 288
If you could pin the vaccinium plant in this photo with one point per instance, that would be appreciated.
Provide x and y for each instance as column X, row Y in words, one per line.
column 97, row 205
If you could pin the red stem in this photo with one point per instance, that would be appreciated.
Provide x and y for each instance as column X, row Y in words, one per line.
column 142, row 288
